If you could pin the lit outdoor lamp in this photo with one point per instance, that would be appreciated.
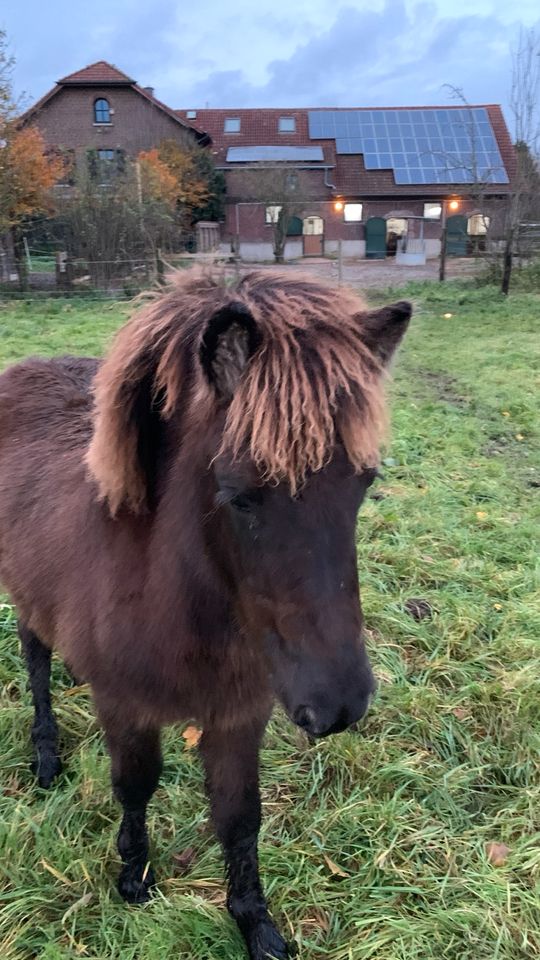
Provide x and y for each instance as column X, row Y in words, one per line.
column 338, row 206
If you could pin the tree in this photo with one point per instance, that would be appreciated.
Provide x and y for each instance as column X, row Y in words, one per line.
column 157, row 182
column 278, row 186
column 213, row 207
column 525, row 88
column 27, row 172
column 192, row 186
column 8, row 107
column 479, row 178
column 522, row 197
column 118, row 211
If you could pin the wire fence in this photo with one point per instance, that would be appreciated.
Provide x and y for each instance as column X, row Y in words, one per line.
column 53, row 274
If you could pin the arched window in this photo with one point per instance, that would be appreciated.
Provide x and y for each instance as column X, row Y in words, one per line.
column 102, row 113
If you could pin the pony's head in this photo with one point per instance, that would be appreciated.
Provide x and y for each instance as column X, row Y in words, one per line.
column 272, row 390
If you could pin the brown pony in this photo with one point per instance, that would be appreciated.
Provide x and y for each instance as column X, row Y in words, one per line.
column 178, row 522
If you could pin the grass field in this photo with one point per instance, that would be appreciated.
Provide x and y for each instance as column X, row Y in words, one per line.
column 375, row 846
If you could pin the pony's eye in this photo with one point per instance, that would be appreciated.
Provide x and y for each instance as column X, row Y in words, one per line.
column 242, row 502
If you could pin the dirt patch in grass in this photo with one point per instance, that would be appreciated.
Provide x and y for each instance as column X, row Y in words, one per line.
column 444, row 387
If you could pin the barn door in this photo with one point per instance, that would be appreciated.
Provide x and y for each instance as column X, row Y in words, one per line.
column 456, row 236
column 375, row 238
column 295, row 227
column 313, row 231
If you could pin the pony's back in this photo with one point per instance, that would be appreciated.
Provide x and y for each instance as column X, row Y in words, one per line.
column 46, row 401
column 45, row 427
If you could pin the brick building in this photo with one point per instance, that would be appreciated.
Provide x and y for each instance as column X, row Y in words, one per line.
column 100, row 108
column 407, row 167
column 373, row 181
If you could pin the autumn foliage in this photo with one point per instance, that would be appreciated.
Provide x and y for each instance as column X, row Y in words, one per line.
column 193, row 189
column 156, row 180
column 27, row 174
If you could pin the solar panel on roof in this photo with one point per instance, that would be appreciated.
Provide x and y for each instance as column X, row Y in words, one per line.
column 420, row 146
column 278, row 152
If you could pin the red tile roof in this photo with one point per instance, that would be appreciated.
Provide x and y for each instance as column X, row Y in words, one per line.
column 259, row 126
column 100, row 72
column 103, row 74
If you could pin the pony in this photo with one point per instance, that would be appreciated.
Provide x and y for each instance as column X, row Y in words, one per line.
column 178, row 522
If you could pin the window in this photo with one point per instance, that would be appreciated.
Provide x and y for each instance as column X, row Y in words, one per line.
column 106, row 166
column 272, row 213
column 287, row 125
column 432, row 211
column 292, row 181
column 352, row 212
column 67, row 158
column 313, row 226
column 231, row 125
column 191, row 114
column 102, row 111
column 477, row 225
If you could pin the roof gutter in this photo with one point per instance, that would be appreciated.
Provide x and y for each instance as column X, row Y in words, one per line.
column 278, row 166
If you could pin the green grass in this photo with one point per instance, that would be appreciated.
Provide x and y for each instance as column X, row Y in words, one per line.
column 448, row 761
column 43, row 264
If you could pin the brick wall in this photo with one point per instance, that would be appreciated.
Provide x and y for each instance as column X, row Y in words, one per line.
column 67, row 121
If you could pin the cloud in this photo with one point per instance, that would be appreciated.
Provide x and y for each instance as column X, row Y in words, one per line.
column 392, row 56
column 315, row 53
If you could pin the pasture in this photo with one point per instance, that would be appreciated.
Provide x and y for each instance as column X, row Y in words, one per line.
column 419, row 837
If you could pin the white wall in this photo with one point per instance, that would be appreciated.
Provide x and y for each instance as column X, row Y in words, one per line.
column 433, row 248
column 256, row 251
column 349, row 248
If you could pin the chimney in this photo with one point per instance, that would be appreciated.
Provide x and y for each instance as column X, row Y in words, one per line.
column 149, row 90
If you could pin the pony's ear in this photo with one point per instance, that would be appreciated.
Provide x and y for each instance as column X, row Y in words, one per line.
column 382, row 330
column 228, row 343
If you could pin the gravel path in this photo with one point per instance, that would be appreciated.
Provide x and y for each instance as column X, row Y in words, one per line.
column 380, row 274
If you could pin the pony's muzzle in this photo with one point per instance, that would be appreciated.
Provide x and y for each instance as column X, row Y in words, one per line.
column 319, row 722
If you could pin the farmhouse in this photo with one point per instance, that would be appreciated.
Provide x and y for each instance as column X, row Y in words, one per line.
column 365, row 177
column 372, row 182
column 101, row 109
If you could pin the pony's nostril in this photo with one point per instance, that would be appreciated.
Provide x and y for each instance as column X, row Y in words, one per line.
column 304, row 717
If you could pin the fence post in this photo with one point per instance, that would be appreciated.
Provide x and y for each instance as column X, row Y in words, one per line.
column 442, row 255
column 27, row 252
column 340, row 261
column 64, row 271
column 160, row 267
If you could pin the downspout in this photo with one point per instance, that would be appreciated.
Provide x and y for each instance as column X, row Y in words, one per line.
column 331, row 186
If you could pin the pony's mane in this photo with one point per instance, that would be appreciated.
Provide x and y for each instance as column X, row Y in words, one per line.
column 311, row 380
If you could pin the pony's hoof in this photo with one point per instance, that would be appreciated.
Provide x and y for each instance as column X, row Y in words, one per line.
column 265, row 943
column 46, row 768
column 134, row 888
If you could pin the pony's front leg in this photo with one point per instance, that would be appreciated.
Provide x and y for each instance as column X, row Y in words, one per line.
column 231, row 760
column 135, row 771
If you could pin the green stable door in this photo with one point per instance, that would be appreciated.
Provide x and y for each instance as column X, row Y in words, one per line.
column 456, row 236
column 375, row 238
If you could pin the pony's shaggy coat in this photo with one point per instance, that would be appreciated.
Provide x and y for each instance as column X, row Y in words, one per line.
column 310, row 379
column 151, row 533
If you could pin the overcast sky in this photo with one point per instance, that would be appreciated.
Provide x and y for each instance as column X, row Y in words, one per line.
column 275, row 52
